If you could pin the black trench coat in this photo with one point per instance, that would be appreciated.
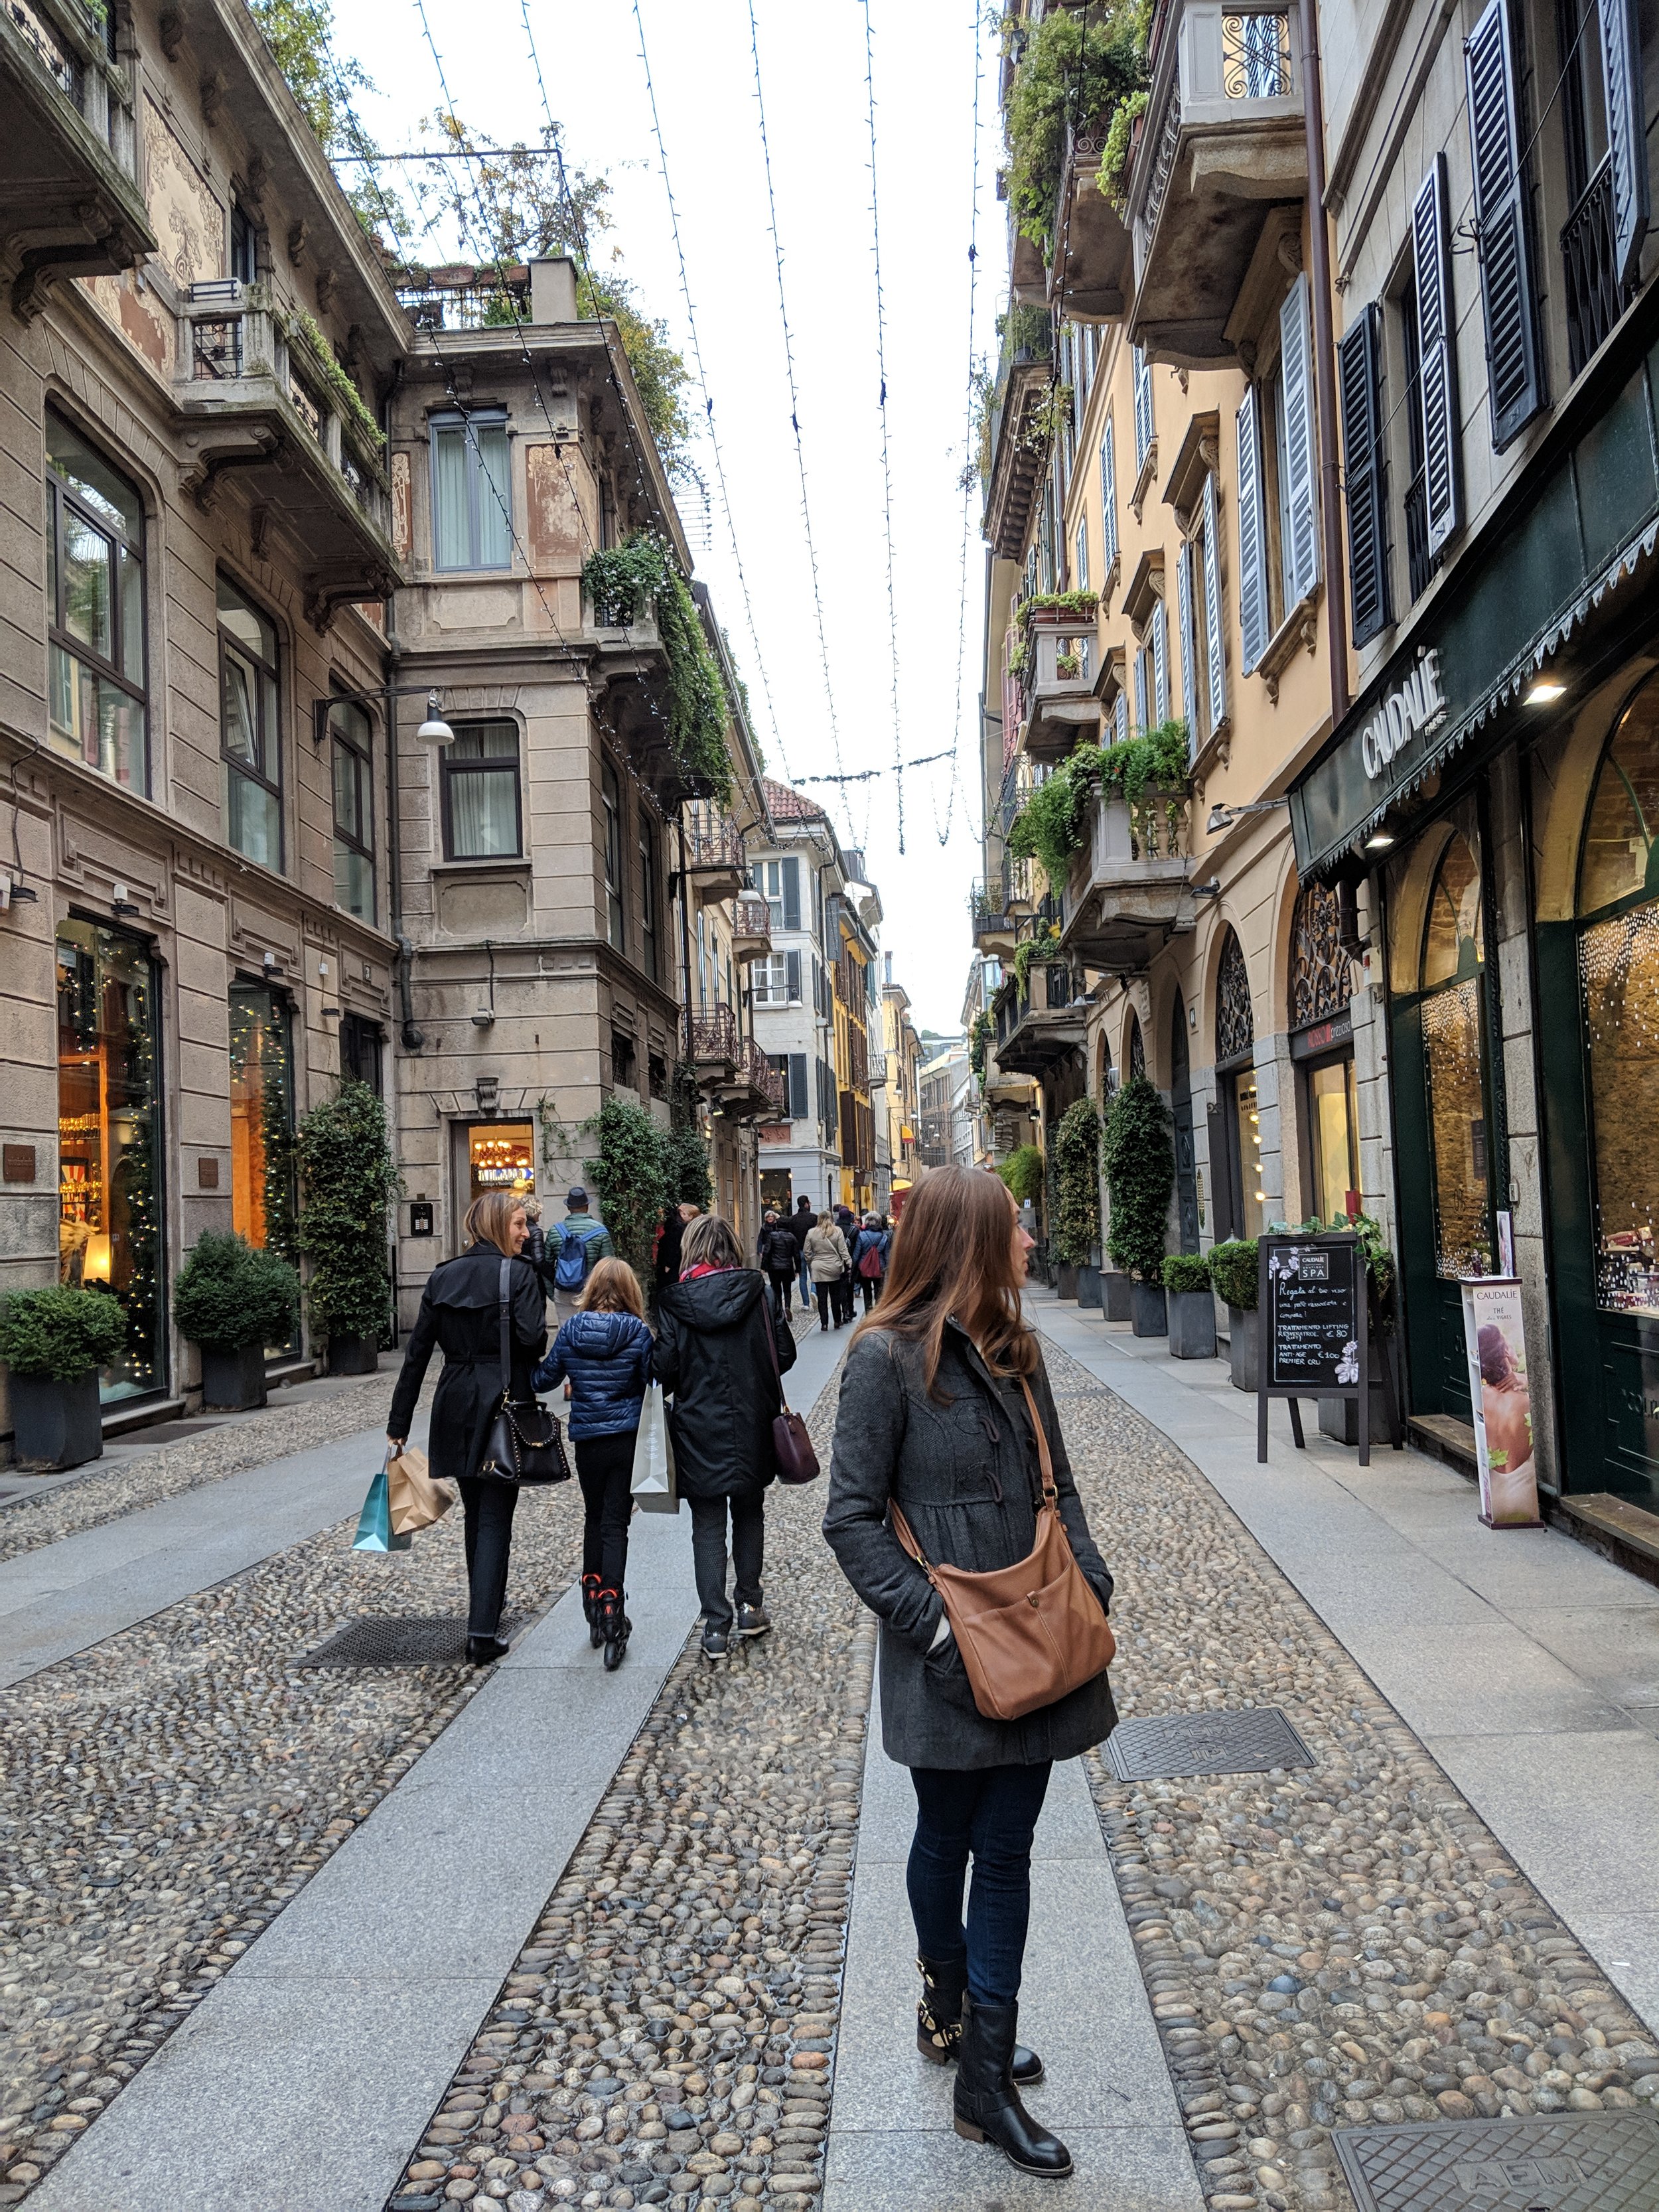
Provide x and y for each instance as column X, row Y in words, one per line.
column 712, row 1359
column 459, row 1313
column 966, row 1474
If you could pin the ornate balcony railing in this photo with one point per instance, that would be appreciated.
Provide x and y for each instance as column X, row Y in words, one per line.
column 714, row 1037
column 1594, row 298
column 1420, row 563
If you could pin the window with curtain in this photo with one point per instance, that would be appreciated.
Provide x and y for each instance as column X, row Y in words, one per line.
column 480, row 801
column 95, row 687
column 250, row 729
column 616, row 910
column 351, row 736
column 471, row 492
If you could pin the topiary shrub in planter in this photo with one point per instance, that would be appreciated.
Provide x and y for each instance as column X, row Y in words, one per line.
column 349, row 1183
column 233, row 1300
column 1233, row 1272
column 1022, row 1173
column 628, row 1173
column 1191, row 1305
column 1076, row 1227
column 1139, row 1162
column 54, row 1341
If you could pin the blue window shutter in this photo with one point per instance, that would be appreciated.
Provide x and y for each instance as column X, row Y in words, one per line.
column 1212, row 631
column 1437, row 338
column 1120, row 719
column 1363, row 474
column 1300, row 552
column 1107, row 498
column 1189, row 640
column 791, row 969
column 1141, row 700
column 1160, row 661
column 1515, row 383
column 1627, row 146
column 1252, row 537
column 791, row 894
column 798, row 1108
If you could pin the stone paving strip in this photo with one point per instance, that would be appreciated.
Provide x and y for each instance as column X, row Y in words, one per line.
column 164, row 1794
column 667, row 2035
column 1336, row 1946
column 280, row 1432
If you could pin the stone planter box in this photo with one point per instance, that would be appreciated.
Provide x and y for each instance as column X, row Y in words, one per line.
column 1088, row 1286
column 1191, row 1324
column 1065, row 1278
column 1241, row 1328
column 353, row 1355
column 1115, row 1291
column 1339, row 1417
column 1149, row 1309
column 234, row 1382
column 56, row 1424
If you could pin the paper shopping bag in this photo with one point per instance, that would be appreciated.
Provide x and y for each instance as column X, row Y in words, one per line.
column 415, row 1498
column 374, row 1529
column 652, row 1483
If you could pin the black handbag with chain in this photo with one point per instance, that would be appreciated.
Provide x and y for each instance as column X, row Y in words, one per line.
column 525, row 1442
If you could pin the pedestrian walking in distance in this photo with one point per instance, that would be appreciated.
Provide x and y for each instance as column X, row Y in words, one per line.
column 714, row 1360
column 460, row 1316
column 575, row 1248
column 604, row 1352
column 779, row 1256
column 846, row 1297
column 801, row 1224
column 828, row 1262
column 933, row 1420
column 869, row 1248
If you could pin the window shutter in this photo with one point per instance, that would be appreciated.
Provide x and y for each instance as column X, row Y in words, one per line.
column 1436, row 339
column 1627, row 155
column 1514, row 378
column 1189, row 641
column 1160, row 661
column 1144, row 428
column 1360, row 374
column 1120, row 719
column 1108, row 500
column 1141, row 723
column 791, row 894
column 1301, row 463
column 1212, row 636
column 796, row 1086
column 791, row 969
column 1252, row 539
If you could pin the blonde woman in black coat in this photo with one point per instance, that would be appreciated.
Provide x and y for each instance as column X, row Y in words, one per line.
column 460, row 1314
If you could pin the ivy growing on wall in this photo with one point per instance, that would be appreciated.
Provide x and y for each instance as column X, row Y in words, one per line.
column 1140, row 1161
column 1076, row 1227
column 1073, row 69
column 627, row 1172
column 625, row 582
column 334, row 376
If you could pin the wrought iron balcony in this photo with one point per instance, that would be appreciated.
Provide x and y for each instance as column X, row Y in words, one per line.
column 1420, row 563
column 1129, row 889
column 715, row 862
column 755, row 1089
column 715, row 1046
column 1061, row 705
column 1093, row 262
column 1037, row 1027
column 1221, row 141
column 1595, row 299
column 991, row 908
column 1015, row 475
column 70, row 203
column 751, row 929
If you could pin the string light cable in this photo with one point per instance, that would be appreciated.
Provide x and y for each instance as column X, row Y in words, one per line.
column 886, row 447
column 970, row 456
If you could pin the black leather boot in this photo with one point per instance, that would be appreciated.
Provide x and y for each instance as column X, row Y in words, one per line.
column 481, row 1649
column 591, row 1609
column 939, row 2021
column 615, row 1629
column 987, row 2107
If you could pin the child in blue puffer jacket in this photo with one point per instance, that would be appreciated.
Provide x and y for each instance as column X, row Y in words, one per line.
column 604, row 1350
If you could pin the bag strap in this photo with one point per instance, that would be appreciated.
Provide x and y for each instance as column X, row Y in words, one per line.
column 772, row 1346
column 1045, row 1458
column 506, row 1288
column 907, row 1541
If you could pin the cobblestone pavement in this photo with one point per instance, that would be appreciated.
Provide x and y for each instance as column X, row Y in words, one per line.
column 278, row 1433
column 667, row 2036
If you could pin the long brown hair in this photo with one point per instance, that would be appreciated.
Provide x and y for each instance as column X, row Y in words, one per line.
column 613, row 1287
column 952, row 1254
column 490, row 1216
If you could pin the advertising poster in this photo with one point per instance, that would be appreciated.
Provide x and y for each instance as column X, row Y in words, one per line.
column 1497, row 1347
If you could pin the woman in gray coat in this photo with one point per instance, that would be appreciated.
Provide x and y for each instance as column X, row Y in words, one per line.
column 933, row 1416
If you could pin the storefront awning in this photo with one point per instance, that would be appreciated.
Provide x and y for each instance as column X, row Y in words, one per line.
column 1543, row 566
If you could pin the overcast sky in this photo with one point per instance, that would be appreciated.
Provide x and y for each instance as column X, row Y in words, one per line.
column 812, row 60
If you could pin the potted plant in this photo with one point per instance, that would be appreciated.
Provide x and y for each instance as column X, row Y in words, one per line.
column 1139, row 1162
column 54, row 1341
column 349, row 1183
column 231, row 1300
column 1076, row 1192
column 1339, row 1417
column 1192, row 1306
column 1233, row 1274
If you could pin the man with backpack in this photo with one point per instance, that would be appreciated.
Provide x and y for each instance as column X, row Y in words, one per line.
column 575, row 1246
column 870, row 1249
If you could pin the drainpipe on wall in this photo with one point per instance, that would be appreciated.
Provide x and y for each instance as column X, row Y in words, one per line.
column 1319, row 281
column 686, row 931
column 404, row 963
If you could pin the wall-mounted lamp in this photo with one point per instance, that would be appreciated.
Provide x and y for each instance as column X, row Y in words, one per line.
column 12, row 893
column 273, row 966
column 1543, row 689
column 1380, row 840
column 1223, row 817
column 119, row 900
column 434, row 729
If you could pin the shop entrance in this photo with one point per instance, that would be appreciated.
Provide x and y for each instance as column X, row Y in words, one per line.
column 263, row 1194
column 491, row 1156
column 1181, row 1105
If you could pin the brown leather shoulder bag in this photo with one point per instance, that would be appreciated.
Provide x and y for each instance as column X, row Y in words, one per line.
column 1031, row 1634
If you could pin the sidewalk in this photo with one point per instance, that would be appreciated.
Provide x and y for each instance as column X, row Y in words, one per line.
column 1527, row 1666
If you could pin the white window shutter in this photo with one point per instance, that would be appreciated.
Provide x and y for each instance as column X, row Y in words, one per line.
column 1301, row 554
column 1189, row 640
column 1120, row 719
column 1160, row 661
column 1515, row 382
column 1213, row 633
column 1621, row 67
column 1252, row 535
column 1436, row 334
column 1144, row 427
column 1141, row 723
column 1108, row 500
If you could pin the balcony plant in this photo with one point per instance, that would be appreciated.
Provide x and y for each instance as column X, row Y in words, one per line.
column 1139, row 1162
column 1072, row 70
column 1075, row 1229
column 1053, row 824
column 232, row 1300
column 348, row 1182
column 1082, row 606
column 1115, row 159
column 979, row 1046
column 1042, row 944
column 1233, row 1270
column 341, row 389
column 54, row 1341
column 1191, row 1306
column 1050, row 419
column 1068, row 666
column 637, row 577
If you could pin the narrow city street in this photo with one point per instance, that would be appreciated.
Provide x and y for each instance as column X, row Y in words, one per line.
column 343, row 1938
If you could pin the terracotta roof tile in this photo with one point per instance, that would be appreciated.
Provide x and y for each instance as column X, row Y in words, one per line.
column 786, row 804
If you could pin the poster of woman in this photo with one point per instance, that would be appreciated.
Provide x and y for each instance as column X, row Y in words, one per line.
column 1496, row 1341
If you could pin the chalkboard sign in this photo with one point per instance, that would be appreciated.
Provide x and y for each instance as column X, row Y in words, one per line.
column 1314, row 1334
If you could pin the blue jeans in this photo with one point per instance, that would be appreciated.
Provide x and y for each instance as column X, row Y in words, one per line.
column 805, row 1284
column 990, row 1815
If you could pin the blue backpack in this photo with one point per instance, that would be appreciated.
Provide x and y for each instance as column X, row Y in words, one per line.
column 571, row 1272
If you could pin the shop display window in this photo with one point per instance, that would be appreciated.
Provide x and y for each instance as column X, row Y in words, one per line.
column 1246, row 1114
column 262, row 1165
column 109, row 1141
column 1454, row 952
column 1333, row 1122
column 502, row 1156
column 1619, row 977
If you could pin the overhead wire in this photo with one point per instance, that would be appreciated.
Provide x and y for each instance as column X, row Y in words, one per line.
column 944, row 835
column 886, row 444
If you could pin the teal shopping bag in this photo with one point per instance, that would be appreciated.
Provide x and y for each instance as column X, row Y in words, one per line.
column 375, row 1522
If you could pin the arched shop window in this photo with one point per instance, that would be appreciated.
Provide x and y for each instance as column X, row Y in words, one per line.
column 1321, row 985
column 1454, row 953
column 1238, row 1172
column 1617, row 909
column 1322, row 976
column 1137, row 1048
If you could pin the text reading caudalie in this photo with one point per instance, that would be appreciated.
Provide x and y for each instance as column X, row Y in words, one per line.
column 1410, row 710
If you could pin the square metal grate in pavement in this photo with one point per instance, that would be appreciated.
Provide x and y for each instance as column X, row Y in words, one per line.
column 1566, row 2162
column 1252, row 1743
column 426, row 1639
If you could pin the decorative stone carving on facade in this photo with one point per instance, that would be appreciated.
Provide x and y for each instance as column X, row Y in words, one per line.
column 1234, row 1014
column 189, row 221
column 1322, row 973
